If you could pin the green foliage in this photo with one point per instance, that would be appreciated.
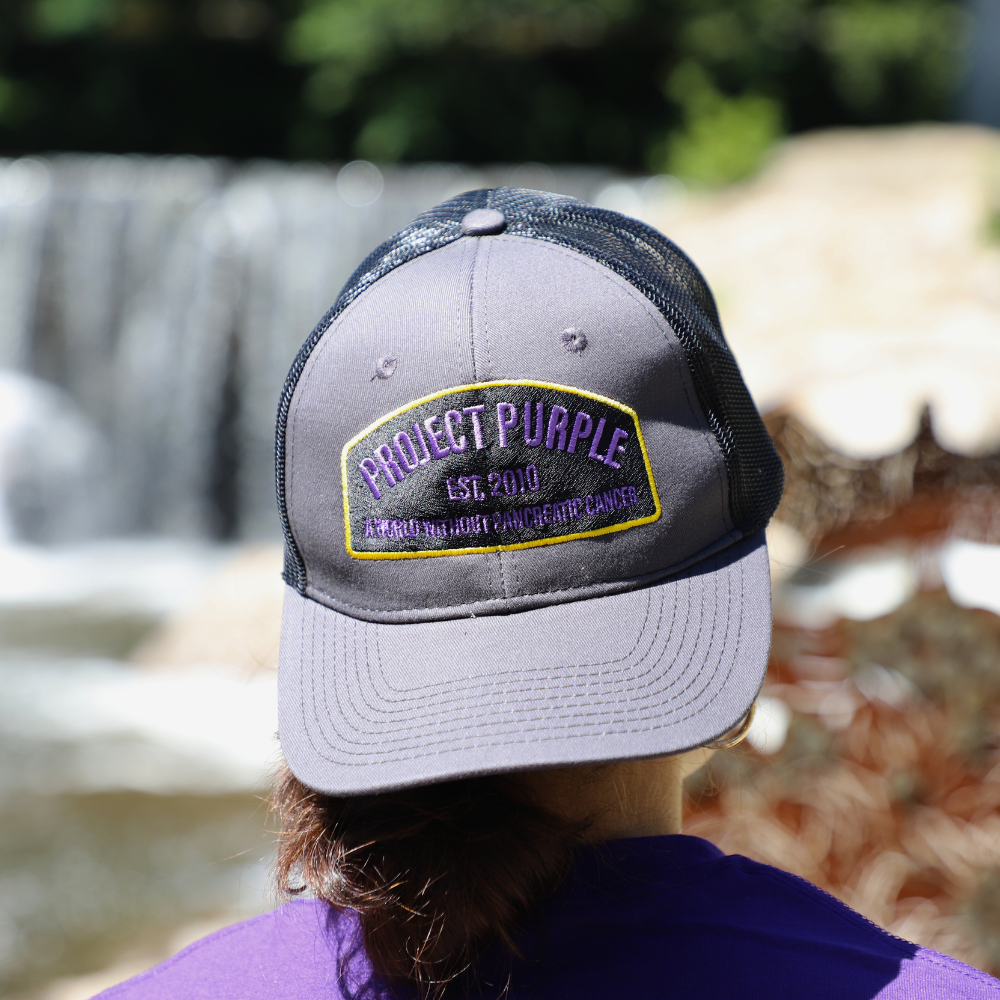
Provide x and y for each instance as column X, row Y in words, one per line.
column 360, row 35
column 993, row 226
column 8, row 99
column 723, row 139
column 869, row 42
column 698, row 87
column 365, row 33
column 725, row 142
column 57, row 18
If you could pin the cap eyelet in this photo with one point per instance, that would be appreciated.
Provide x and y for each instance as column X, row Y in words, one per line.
column 574, row 340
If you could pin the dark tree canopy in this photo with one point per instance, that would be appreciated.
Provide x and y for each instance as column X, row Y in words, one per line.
column 696, row 87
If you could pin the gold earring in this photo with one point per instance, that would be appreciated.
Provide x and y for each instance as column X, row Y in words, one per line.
column 737, row 737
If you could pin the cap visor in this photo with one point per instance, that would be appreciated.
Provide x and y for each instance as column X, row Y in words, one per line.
column 367, row 707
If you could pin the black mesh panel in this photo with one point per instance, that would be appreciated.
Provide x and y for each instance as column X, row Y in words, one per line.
column 642, row 256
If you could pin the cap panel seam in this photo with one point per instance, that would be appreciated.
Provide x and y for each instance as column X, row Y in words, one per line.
column 458, row 317
column 483, row 247
column 478, row 315
column 476, row 247
column 605, row 273
column 486, row 251
column 477, row 254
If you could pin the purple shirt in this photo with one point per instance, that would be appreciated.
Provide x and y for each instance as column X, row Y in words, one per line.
column 651, row 917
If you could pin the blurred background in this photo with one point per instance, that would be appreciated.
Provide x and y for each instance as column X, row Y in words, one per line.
column 184, row 187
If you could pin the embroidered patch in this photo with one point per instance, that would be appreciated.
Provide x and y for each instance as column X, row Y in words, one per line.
column 498, row 465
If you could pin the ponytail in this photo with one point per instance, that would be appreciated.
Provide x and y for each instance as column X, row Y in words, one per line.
column 435, row 874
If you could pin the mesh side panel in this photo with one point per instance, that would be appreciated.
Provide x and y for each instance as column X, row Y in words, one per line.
column 641, row 255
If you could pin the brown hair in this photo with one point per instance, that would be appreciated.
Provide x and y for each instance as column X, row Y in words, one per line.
column 435, row 874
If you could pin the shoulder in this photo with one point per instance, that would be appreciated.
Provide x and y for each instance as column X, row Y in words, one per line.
column 930, row 976
column 292, row 953
column 824, row 927
column 677, row 910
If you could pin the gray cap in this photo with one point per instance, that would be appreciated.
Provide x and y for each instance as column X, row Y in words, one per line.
column 524, row 489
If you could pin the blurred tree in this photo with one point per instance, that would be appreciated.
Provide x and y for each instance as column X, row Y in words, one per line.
column 699, row 87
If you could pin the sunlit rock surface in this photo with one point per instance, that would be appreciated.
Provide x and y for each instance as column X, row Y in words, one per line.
column 858, row 283
column 233, row 621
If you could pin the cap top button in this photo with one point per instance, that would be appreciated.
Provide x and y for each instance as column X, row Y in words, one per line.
column 483, row 222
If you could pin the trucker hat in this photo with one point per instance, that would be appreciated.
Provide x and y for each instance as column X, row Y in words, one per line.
column 523, row 489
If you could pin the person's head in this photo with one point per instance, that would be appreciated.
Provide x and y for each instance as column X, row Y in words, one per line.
column 524, row 490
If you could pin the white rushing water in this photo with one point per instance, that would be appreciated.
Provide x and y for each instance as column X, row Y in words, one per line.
column 160, row 302
column 151, row 309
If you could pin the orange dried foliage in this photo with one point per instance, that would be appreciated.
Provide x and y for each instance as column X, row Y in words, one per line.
column 922, row 491
column 889, row 799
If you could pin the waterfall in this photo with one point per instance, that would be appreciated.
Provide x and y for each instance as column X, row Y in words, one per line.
column 154, row 306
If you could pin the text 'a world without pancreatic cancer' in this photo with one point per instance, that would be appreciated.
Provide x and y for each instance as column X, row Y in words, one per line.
column 497, row 522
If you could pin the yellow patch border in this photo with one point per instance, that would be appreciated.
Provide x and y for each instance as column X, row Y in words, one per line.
column 516, row 545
